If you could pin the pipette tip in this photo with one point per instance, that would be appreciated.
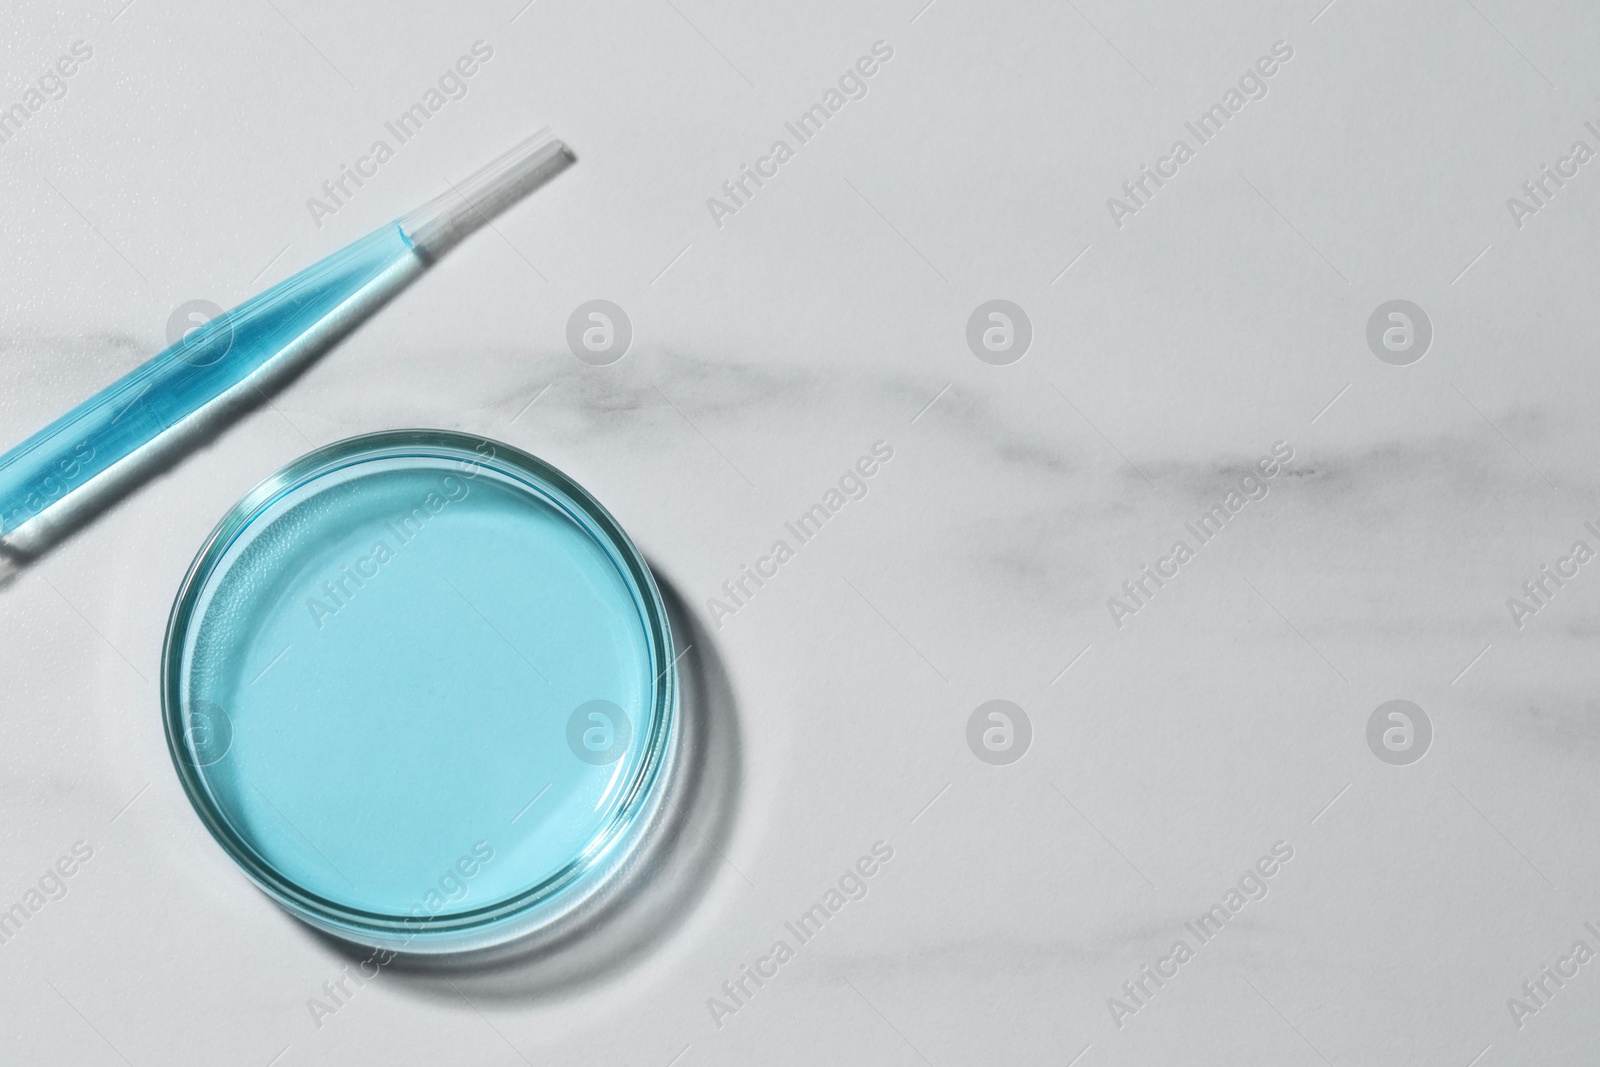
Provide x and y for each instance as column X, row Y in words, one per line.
column 445, row 221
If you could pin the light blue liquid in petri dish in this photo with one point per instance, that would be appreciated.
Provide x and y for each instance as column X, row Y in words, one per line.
column 420, row 686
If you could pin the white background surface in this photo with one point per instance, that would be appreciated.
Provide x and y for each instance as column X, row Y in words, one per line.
column 768, row 354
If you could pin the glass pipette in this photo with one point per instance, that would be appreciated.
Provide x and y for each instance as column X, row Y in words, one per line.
column 74, row 468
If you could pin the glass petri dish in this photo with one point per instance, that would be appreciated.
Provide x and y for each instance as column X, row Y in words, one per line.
column 420, row 686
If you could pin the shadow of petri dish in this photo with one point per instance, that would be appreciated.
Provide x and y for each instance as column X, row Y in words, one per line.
column 421, row 687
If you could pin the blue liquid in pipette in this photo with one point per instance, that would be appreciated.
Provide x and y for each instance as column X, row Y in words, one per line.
column 131, row 413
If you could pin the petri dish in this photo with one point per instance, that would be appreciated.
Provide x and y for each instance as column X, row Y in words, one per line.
column 420, row 686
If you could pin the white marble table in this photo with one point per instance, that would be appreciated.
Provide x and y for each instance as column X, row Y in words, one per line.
column 1173, row 748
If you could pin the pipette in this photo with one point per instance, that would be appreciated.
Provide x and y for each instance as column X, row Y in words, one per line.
column 68, row 472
